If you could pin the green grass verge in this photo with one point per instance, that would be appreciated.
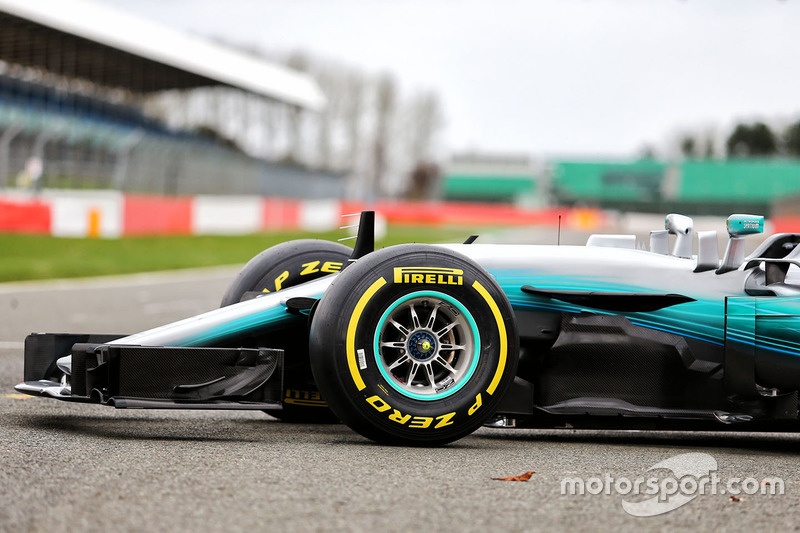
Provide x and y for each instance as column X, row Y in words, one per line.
column 33, row 257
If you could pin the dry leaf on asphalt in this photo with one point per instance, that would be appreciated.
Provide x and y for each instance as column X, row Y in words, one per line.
column 522, row 477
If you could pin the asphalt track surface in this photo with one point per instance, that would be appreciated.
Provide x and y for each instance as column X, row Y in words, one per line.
column 76, row 467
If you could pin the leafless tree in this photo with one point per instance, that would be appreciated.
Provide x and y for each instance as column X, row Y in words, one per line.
column 298, row 61
column 425, row 123
column 369, row 130
column 352, row 117
column 385, row 102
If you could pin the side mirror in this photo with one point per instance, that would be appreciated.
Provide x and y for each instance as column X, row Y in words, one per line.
column 739, row 226
column 681, row 226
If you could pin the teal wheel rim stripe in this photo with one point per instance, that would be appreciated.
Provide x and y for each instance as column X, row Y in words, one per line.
column 475, row 355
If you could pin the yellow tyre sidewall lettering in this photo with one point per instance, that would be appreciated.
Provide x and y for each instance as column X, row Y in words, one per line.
column 331, row 267
column 476, row 405
column 307, row 269
column 315, row 267
column 408, row 420
column 399, row 417
column 280, row 279
column 380, row 404
column 421, row 422
column 306, row 398
column 429, row 275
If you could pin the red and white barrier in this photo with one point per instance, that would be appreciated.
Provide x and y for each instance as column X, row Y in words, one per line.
column 113, row 214
column 279, row 214
column 157, row 215
column 24, row 216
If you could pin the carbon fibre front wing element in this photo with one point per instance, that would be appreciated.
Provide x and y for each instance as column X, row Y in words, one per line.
column 153, row 377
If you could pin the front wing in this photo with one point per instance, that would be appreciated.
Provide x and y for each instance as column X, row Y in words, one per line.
column 151, row 377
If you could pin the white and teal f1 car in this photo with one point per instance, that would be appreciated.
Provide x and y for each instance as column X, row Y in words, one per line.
column 422, row 344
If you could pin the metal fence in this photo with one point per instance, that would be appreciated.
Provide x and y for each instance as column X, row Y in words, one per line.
column 39, row 148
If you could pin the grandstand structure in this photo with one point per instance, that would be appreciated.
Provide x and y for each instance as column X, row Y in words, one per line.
column 490, row 178
column 695, row 187
column 691, row 186
column 75, row 82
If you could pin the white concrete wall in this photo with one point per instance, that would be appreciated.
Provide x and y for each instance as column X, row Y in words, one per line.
column 71, row 211
column 227, row 215
column 320, row 215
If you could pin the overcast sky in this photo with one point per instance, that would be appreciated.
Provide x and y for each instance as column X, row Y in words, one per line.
column 560, row 77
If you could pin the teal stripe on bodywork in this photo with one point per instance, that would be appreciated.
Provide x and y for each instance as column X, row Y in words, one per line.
column 702, row 320
column 243, row 325
column 775, row 323
column 778, row 317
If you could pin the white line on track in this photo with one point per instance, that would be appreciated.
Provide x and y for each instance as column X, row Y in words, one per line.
column 113, row 282
column 11, row 345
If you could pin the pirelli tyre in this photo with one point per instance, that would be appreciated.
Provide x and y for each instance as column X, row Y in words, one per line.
column 276, row 268
column 413, row 345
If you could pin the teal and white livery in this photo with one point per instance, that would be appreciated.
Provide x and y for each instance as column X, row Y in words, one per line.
column 422, row 344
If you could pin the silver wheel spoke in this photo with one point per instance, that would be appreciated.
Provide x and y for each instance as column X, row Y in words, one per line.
column 414, row 317
column 412, row 373
column 423, row 343
column 445, row 364
column 432, row 318
column 452, row 347
column 429, row 372
column 442, row 332
column 402, row 329
column 404, row 359
column 397, row 345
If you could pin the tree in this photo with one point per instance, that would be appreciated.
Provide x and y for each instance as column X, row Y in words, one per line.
column 688, row 146
column 424, row 122
column 647, row 151
column 755, row 140
column 300, row 62
column 369, row 128
column 385, row 101
column 791, row 139
column 424, row 181
column 352, row 114
column 708, row 148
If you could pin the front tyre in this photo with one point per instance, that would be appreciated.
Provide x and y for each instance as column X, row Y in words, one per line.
column 414, row 345
column 276, row 268
column 286, row 265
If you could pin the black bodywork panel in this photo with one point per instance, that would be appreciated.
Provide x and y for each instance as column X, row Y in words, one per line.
column 597, row 370
column 157, row 376
column 612, row 301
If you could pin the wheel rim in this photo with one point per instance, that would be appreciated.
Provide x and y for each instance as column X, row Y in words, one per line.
column 427, row 345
